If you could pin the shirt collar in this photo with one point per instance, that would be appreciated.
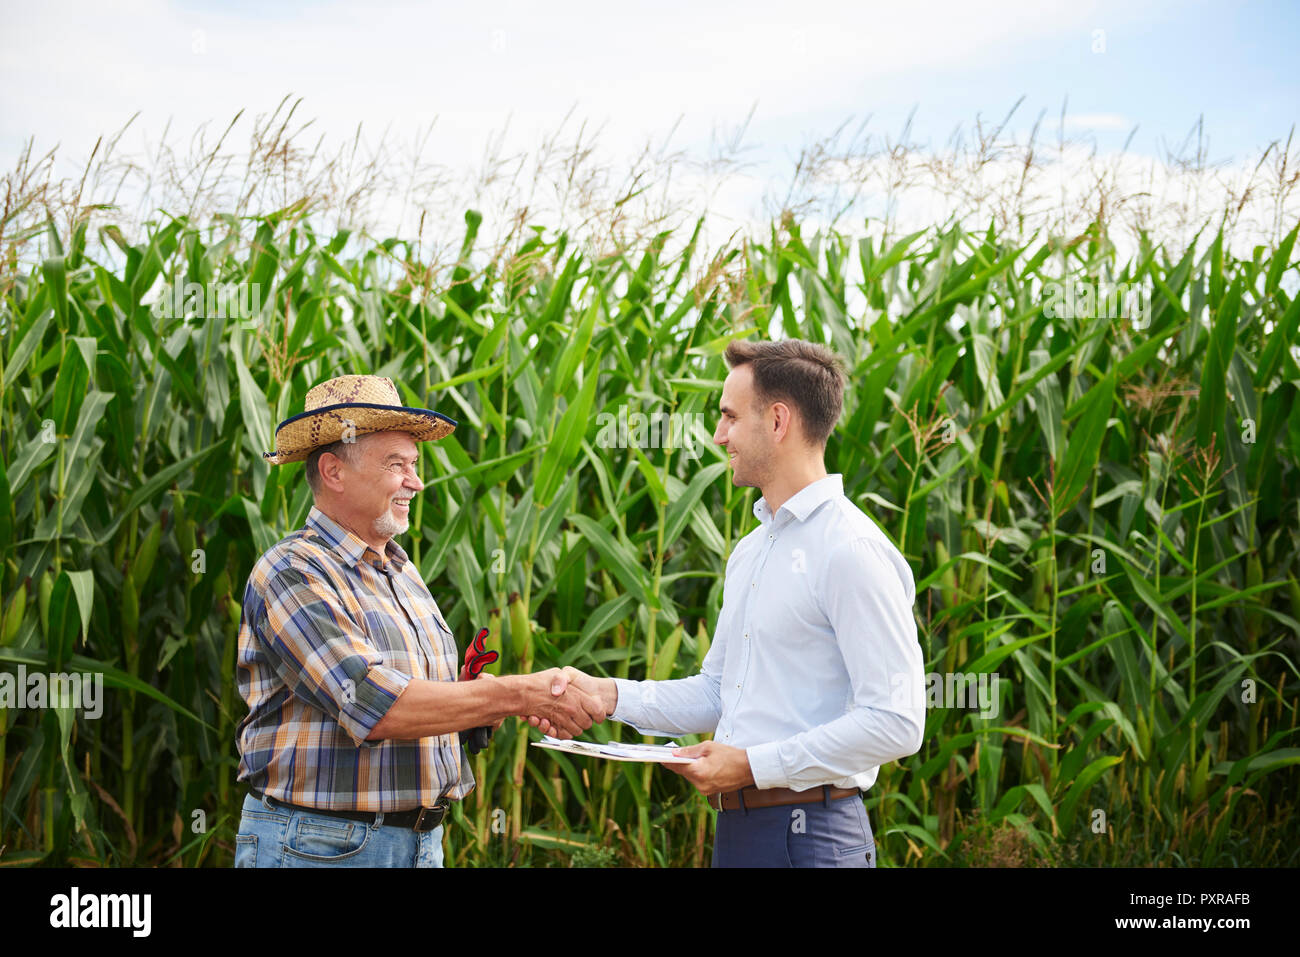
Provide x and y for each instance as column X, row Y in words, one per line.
column 349, row 547
column 805, row 501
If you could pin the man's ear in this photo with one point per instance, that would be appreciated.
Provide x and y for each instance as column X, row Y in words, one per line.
column 330, row 467
column 782, row 416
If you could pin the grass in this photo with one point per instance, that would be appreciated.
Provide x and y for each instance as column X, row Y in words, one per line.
column 1099, row 509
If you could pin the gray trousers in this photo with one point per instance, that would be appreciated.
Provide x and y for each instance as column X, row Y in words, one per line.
column 816, row 834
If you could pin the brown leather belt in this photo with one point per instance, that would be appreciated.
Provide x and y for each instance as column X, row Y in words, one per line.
column 750, row 798
column 418, row 819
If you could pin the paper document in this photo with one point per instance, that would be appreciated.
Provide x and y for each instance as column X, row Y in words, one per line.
column 617, row 751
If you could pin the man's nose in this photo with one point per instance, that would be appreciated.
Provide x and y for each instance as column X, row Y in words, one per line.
column 413, row 481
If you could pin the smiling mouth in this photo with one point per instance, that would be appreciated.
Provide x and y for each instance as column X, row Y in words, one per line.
column 402, row 503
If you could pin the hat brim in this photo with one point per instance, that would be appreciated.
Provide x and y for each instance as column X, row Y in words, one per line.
column 297, row 437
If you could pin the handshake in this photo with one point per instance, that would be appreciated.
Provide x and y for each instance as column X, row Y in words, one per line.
column 566, row 702
column 563, row 703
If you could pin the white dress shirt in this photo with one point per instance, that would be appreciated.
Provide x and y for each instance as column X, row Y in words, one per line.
column 815, row 668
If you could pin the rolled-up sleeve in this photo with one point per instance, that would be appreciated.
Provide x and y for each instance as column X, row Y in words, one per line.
column 321, row 655
column 870, row 609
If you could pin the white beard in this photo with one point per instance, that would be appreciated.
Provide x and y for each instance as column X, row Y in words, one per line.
column 388, row 526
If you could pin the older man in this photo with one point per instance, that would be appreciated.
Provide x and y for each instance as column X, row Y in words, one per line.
column 351, row 746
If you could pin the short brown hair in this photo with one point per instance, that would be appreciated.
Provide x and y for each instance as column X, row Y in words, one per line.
column 806, row 375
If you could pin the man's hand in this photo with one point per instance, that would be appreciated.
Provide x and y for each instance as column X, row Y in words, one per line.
column 603, row 689
column 720, row 768
column 557, row 706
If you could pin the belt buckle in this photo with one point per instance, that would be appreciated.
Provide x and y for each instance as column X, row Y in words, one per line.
column 715, row 801
column 438, row 812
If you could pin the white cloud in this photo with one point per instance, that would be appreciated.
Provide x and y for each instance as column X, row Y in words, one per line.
column 1098, row 121
column 72, row 70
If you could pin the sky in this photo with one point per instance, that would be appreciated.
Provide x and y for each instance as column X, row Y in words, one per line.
column 671, row 71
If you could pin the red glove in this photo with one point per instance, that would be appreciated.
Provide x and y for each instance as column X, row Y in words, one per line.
column 477, row 657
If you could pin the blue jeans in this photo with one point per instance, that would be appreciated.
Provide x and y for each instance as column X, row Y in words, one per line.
column 796, row 835
column 271, row 835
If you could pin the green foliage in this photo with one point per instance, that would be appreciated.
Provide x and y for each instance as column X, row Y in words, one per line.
column 1100, row 508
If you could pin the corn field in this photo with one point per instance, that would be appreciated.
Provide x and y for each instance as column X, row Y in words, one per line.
column 1100, row 506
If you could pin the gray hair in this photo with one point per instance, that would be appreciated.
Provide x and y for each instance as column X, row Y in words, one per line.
column 347, row 451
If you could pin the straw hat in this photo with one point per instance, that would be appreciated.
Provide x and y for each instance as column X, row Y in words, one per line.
column 363, row 403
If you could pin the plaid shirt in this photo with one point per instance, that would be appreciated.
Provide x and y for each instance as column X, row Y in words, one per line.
column 330, row 635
